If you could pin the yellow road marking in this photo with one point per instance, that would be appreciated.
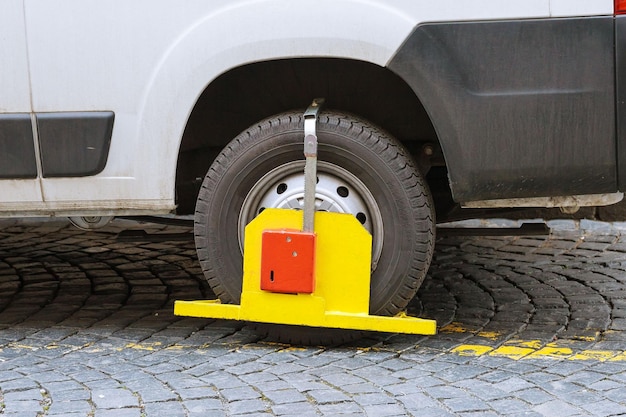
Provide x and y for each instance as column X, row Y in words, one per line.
column 597, row 355
column 472, row 350
column 512, row 352
column 549, row 351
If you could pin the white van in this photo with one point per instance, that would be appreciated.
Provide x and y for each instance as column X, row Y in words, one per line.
column 147, row 107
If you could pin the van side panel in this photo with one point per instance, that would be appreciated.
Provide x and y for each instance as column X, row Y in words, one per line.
column 522, row 108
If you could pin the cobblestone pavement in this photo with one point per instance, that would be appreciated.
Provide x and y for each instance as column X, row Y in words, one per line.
column 528, row 326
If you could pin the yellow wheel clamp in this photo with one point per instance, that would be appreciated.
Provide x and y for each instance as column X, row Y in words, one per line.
column 306, row 270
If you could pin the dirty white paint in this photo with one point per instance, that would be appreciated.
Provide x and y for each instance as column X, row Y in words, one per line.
column 565, row 8
column 14, row 67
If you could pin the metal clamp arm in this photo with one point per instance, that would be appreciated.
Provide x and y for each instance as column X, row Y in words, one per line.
column 310, row 167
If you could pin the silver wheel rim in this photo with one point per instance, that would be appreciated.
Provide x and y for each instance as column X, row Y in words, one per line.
column 337, row 191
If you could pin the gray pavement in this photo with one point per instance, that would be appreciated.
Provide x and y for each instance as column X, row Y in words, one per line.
column 528, row 326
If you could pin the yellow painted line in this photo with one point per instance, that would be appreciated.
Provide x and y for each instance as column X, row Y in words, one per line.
column 521, row 350
column 552, row 352
column 596, row 355
column 142, row 346
column 455, row 328
column 472, row 350
column 489, row 335
column 459, row 328
column 621, row 357
column 532, row 344
column 588, row 338
column 512, row 352
column 532, row 349
column 21, row 346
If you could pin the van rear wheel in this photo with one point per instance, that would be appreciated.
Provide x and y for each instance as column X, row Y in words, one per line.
column 362, row 170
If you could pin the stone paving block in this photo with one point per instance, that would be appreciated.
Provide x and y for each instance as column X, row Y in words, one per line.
column 9, row 375
column 359, row 362
column 307, row 385
column 418, row 401
column 377, row 375
column 483, row 390
column 619, row 376
column 200, row 405
column 617, row 395
column 325, row 396
column 284, row 396
column 258, row 378
column 272, row 356
column 605, row 385
column 462, row 372
column 247, row 406
column 18, row 385
column 373, row 399
column 247, row 368
column 125, row 412
column 513, row 384
column 29, row 394
column 260, row 414
column 466, row 404
column 237, row 394
column 70, row 395
column 151, row 395
column 341, row 408
column 340, row 379
column 273, row 385
column 363, row 388
column 408, row 388
column 445, row 392
column 432, row 412
column 381, row 410
column 557, row 408
column 508, row 406
column 534, row 396
column 541, row 377
column 196, row 392
column 561, row 387
column 395, row 364
column 172, row 409
column 583, row 397
column 605, row 408
column 223, row 381
column 437, row 366
column 585, row 378
column 294, row 409
column 69, row 407
column 114, row 398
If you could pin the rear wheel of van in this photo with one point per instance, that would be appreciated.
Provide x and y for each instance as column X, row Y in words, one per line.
column 361, row 170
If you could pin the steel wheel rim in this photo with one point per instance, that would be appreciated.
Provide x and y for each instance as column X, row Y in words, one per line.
column 337, row 191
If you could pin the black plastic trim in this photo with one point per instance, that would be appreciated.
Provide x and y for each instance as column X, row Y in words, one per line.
column 74, row 144
column 522, row 108
column 17, row 148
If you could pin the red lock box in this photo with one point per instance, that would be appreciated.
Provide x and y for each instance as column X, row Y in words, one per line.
column 288, row 261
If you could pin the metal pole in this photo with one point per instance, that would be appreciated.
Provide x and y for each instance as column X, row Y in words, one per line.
column 310, row 166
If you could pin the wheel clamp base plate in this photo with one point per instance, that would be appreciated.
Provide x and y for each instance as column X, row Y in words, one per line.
column 341, row 295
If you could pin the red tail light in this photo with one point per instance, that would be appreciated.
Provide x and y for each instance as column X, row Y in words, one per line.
column 620, row 6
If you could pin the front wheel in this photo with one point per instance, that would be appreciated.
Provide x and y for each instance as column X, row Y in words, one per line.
column 361, row 170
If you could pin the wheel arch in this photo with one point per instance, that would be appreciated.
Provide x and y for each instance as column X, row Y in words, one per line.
column 229, row 36
column 244, row 95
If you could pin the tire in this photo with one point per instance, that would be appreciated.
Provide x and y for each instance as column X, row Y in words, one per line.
column 361, row 170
